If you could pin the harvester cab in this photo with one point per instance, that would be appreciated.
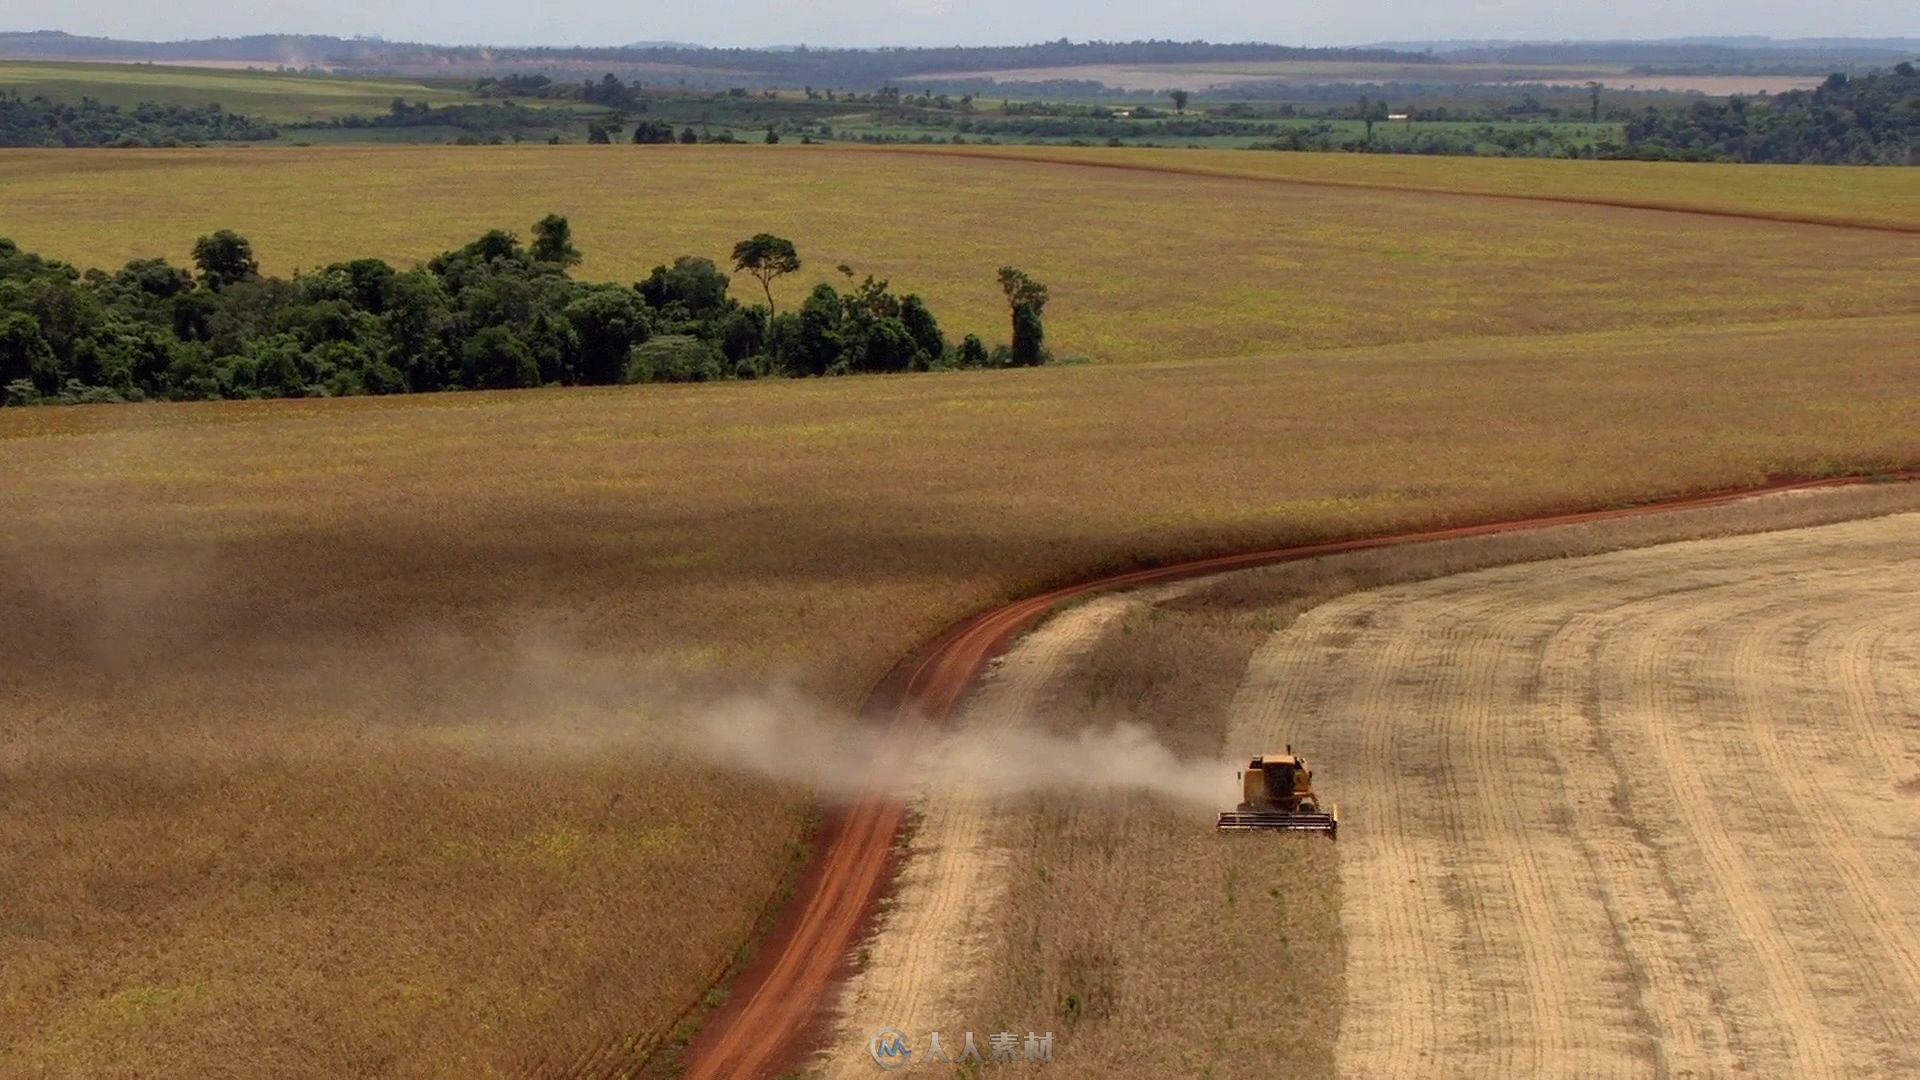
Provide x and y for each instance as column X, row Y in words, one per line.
column 1276, row 792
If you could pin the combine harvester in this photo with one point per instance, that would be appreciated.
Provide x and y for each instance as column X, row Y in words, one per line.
column 1276, row 792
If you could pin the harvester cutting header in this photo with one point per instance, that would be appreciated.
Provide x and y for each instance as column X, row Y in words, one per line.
column 1276, row 792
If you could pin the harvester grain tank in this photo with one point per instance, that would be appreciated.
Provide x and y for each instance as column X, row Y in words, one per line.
column 1276, row 792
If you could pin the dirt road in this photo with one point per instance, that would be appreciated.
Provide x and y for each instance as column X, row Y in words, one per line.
column 1648, row 813
column 777, row 1015
column 921, row 965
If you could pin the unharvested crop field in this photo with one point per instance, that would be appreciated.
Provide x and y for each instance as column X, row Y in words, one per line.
column 326, row 729
column 265, row 94
column 1255, row 266
column 1886, row 198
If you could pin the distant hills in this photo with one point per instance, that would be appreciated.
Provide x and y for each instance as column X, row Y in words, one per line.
column 698, row 66
column 797, row 66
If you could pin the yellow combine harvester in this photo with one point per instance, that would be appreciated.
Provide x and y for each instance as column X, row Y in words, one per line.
column 1277, row 793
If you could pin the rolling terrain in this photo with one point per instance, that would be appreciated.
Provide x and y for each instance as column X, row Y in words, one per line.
column 1294, row 250
column 370, row 735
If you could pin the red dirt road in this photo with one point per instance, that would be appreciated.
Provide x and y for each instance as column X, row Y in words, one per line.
column 777, row 1014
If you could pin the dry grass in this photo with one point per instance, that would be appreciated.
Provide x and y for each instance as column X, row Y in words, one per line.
column 1223, row 955
column 298, row 777
column 1144, row 265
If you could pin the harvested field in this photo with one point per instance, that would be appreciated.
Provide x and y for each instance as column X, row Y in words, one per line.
column 989, row 931
column 1646, row 813
column 1271, row 264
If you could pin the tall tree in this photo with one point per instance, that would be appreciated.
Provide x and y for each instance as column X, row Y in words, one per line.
column 1026, row 298
column 1179, row 101
column 766, row 257
column 553, row 241
column 1370, row 112
column 1593, row 96
column 224, row 258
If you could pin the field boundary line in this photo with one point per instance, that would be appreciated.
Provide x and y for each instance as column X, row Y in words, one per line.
column 1831, row 221
column 778, row 1014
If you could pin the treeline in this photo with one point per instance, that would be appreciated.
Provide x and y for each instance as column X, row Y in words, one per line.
column 40, row 121
column 495, row 314
column 1865, row 120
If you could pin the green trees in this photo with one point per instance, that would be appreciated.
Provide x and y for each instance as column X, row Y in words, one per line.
column 766, row 257
column 496, row 359
column 1180, row 98
column 1370, row 112
column 868, row 328
column 492, row 314
column 608, row 321
column 1026, row 299
column 1871, row 119
column 692, row 288
column 26, row 360
column 652, row 133
column 224, row 258
column 553, row 242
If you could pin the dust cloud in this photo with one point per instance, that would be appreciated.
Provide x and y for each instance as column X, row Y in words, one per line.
column 554, row 704
column 782, row 736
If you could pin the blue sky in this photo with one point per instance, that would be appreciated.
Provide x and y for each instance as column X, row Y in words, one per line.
column 947, row 22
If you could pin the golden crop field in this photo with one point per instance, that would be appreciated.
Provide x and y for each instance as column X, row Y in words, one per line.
column 1143, row 264
column 329, row 731
column 372, row 735
column 1888, row 198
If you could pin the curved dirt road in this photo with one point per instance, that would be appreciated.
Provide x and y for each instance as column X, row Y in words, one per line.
column 933, row 942
column 778, row 1011
column 1651, row 813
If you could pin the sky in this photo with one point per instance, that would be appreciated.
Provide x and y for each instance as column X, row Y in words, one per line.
column 962, row 22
